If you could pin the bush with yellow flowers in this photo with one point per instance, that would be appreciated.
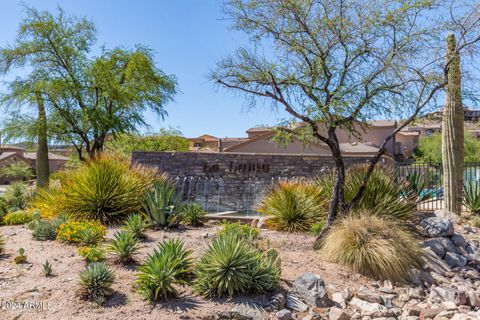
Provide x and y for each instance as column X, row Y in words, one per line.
column 71, row 231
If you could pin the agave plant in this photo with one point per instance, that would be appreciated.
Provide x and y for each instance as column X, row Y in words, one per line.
column 96, row 280
column 471, row 196
column 124, row 246
column 43, row 231
column 47, row 269
column 90, row 236
column 136, row 225
column 421, row 187
column 166, row 267
column 161, row 205
column 192, row 213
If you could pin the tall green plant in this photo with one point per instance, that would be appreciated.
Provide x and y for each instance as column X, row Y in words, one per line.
column 161, row 204
column 471, row 193
column 452, row 131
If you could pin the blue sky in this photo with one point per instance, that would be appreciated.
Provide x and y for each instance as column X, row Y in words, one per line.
column 188, row 36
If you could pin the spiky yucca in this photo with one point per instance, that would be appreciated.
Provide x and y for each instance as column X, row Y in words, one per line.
column 44, row 231
column 471, row 199
column 106, row 189
column 96, row 281
column 136, row 225
column 232, row 266
column 169, row 265
column 293, row 206
column 378, row 247
column 192, row 213
column 90, row 237
column 124, row 246
column 161, row 204
column 47, row 269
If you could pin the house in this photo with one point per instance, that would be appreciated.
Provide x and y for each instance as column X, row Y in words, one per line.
column 469, row 115
column 208, row 142
column 10, row 154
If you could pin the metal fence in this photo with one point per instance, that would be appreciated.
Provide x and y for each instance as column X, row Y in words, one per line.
column 431, row 173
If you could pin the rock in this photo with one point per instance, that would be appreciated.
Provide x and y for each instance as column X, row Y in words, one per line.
column 339, row 300
column 449, row 305
column 367, row 308
column 312, row 315
column 337, row 314
column 440, row 294
column 311, row 289
column 472, row 275
column 444, row 315
column 473, row 298
column 249, row 310
column 436, row 245
column 436, row 227
column 459, row 241
column 276, row 302
column 455, row 260
column 434, row 263
column 283, row 314
column 431, row 312
column 368, row 295
column 294, row 303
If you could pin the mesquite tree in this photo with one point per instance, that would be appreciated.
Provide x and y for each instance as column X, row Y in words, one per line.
column 452, row 131
column 336, row 64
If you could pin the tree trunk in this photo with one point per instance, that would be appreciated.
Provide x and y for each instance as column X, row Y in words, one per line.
column 452, row 132
column 42, row 165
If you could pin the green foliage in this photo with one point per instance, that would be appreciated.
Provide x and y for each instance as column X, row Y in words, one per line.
column 90, row 236
column 421, row 187
column 21, row 258
column 430, row 148
column 17, row 195
column 232, row 266
column 47, row 269
column 127, row 143
column 17, row 217
column 168, row 266
column 17, row 169
column 96, row 280
column 124, row 246
column 383, row 195
column 374, row 246
column 3, row 208
column 317, row 228
column 293, row 206
column 44, row 231
column 107, row 189
column 192, row 214
column 471, row 196
column 239, row 230
column 161, row 204
column 92, row 253
column 136, row 225
column 71, row 231
column 2, row 243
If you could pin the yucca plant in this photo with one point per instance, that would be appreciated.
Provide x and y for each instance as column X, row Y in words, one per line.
column 47, row 269
column 96, row 280
column 192, row 213
column 240, row 230
column 161, row 204
column 43, row 231
column 168, row 266
column 293, row 206
column 124, row 246
column 232, row 266
column 136, row 225
column 17, row 196
column 375, row 246
column 90, row 237
column 422, row 187
column 471, row 196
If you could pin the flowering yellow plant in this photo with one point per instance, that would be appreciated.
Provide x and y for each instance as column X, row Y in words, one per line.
column 70, row 231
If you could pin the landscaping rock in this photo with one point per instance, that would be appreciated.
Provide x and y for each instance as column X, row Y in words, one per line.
column 294, row 303
column 311, row 289
column 368, row 295
column 473, row 298
column 337, row 314
column 283, row 314
column 459, row 241
column 455, row 260
column 436, row 227
column 276, row 302
column 436, row 245
column 339, row 300
column 250, row 310
column 367, row 308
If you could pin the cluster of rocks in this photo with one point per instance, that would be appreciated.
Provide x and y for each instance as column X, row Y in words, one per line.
column 447, row 287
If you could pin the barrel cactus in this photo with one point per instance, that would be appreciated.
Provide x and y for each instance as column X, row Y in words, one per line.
column 452, row 131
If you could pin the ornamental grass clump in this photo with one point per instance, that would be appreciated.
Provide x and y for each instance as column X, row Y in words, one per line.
column 107, row 189
column 96, row 281
column 167, row 267
column 232, row 266
column 377, row 247
column 293, row 206
column 124, row 247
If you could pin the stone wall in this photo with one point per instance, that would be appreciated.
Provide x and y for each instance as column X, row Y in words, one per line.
column 232, row 181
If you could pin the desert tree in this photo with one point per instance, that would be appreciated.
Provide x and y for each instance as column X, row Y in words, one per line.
column 335, row 65
column 92, row 97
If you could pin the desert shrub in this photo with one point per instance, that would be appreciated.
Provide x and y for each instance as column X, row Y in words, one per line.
column 124, row 246
column 44, row 231
column 107, row 189
column 167, row 266
column 127, row 143
column 237, row 229
column 2, row 243
column 17, row 169
column 471, row 196
column 92, row 253
column 17, row 217
column 90, row 236
column 71, row 231
column 293, row 206
column 3, row 208
column 383, row 194
column 136, row 225
column 161, row 204
column 317, row 228
column 17, row 195
column 378, row 247
column 192, row 213
column 475, row 221
column 232, row 266
column 96, row 281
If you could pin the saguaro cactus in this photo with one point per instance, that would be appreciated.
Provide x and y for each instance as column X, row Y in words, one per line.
column 452, row 131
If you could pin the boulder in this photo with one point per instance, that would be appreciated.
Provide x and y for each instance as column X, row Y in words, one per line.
column 368, row 295
column 250, row 310
column 459, row 241
column 367, row 308
column 436, row 245
column 293, row 302
column 339, row 300
column 283, row 314
column 337, row 314
column 311, row 289
column 455, row 260
column 436, row 227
